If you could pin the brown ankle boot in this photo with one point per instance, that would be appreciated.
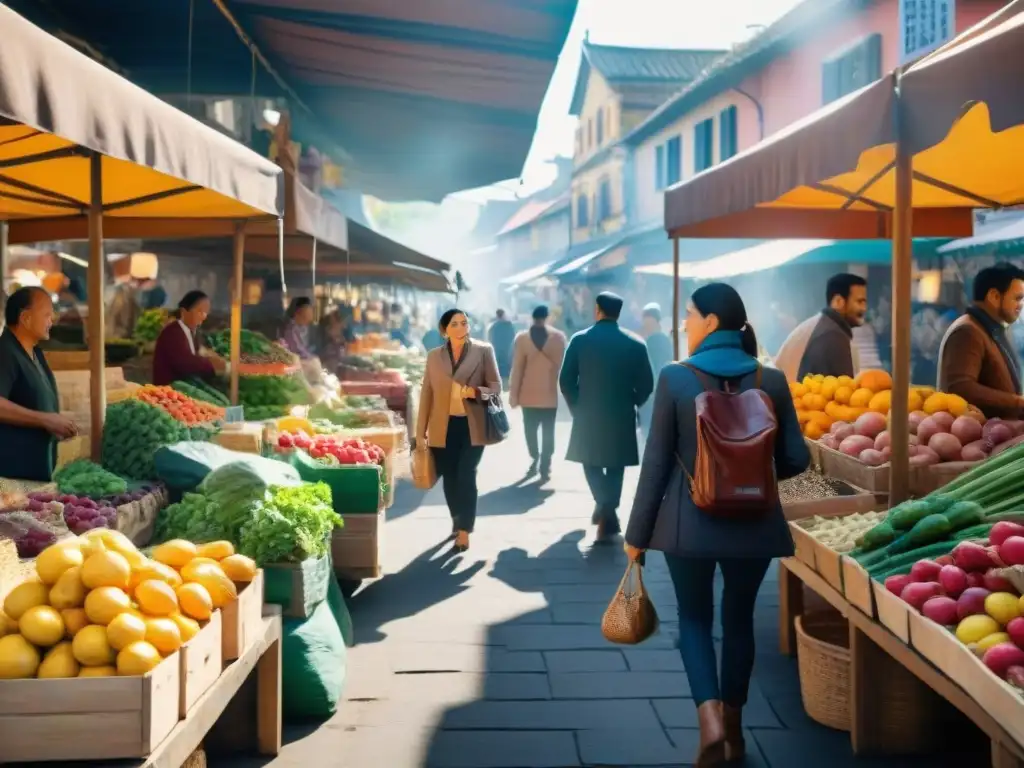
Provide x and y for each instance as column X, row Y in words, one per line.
column 735, row 747
column 712, row 734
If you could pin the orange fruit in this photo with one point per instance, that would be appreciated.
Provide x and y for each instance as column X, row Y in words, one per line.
column 156, row 598
column 163, row 634
column 195, row 601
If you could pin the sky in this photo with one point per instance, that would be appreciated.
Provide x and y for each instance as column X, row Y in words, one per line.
column 632, row 23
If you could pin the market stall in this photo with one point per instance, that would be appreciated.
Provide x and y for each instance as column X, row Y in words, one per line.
column 930, row 586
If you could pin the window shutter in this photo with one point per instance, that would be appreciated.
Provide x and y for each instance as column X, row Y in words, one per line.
column 873, row 58
column 728, row 141
column 659, row 167
column 698, row 147
column 829, row 81
column 673, row 161
column 600, row 127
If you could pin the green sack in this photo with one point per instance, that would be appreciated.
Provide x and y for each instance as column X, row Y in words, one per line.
column 183, row 466
column 339, row 607
column 314, row 665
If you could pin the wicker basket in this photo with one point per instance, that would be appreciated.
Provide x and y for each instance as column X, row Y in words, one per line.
column 823, row 656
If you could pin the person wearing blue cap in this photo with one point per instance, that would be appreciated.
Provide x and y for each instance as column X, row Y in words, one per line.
column 605, row 377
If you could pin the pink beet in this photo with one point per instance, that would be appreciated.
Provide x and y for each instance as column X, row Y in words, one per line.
column 941, row 610
column 925, row 570
column 1003, row 530
column 972, row 557
column 976, row 580
column 896, row 584
column 1015, row 629
column 995, row 583
column 953, row 580
column 917, row 593
column 971, row 602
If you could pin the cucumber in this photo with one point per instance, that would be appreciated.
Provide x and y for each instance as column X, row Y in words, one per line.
column 929, row 530
column 963, row 514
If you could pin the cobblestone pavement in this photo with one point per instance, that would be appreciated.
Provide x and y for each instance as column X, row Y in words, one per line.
column 495, row 659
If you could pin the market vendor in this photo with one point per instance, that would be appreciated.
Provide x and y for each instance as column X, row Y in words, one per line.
column 977, row 359
column 177, row 355
column 295, row 334
column 30, row 418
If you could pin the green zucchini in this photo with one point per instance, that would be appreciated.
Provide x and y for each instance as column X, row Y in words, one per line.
column 877, row 537
column 929, row 530
column 906, row 515
column 963, row 514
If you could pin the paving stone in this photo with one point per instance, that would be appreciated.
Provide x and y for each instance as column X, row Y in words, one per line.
column 562, row 637
column 580, row 593
column 682, row 713
column 653, row 661
column 687, row 741
column 553, row 715
column 499, row 749
column 578, row 613
column 585, row 661
column 619, row 685
column 629, row 748
column 517, row 661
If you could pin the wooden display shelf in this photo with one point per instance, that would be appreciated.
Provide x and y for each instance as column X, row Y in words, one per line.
column 264, row 655
column 873, row 650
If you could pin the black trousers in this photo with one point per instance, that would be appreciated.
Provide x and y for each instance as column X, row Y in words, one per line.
column 456, row 465
column 542, row 420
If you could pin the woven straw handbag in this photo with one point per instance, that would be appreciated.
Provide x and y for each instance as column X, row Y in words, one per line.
column 630, row 617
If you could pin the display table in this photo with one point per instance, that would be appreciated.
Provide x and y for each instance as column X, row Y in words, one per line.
column 876, row 654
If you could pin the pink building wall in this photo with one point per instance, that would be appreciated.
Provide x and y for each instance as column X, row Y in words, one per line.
column 790, row 87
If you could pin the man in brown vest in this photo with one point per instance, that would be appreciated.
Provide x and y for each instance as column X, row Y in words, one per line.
column 977, row 358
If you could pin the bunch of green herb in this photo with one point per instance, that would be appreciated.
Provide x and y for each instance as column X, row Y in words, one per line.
column 293, row 524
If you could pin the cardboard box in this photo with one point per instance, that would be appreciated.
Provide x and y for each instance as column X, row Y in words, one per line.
column 100, row 718
column 892, row 612
column 356, row 547
column 201, row 663
column 857, row 586
column 242, row 619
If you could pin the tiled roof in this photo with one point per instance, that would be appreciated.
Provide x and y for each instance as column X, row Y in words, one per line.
column 533, row 210
column 618, row 63
column 627, row 69
column 729, row 70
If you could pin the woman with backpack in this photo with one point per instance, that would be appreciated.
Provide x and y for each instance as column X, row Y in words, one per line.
column 723, row 432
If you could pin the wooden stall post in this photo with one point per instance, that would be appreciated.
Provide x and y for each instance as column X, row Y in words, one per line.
column 902, row 254
column 238, row 256
column 316, row 304
column 96, row 320
column 675, row 297
column 3, row 252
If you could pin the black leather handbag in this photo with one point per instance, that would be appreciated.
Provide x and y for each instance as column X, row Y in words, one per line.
column 496, row 419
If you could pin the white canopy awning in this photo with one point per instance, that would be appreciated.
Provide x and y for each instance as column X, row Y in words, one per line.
column 768, row 255
column 527, row 275
column 1013, row 230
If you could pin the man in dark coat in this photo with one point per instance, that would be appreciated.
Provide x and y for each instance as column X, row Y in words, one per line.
column 605, row 377
column 659, row 352
column 502, row 336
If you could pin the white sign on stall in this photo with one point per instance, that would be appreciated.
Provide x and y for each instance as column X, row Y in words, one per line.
column 924, row 26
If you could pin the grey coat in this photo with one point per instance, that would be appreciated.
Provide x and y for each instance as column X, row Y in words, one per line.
column 605, row 376
column 664, row 517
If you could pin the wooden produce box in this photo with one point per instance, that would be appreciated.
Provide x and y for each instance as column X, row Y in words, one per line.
column 242, row 619
column 848, row 469
column 246, row 438
column 893, row 613
column 814, row 448
column 356, row 547
column 857, row 586
column 101, row 718
column 924, row 480
column 201, row 663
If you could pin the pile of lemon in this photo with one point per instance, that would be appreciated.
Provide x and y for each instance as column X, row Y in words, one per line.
column 98, row 607
column 823, row 400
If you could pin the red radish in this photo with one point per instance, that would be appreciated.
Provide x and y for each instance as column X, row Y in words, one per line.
column 1003, row 530
column 975, row 579
column 966, row 429
column 944, row 560
column 947, row 446
column 897, row 583
column 941, row 610
column 976, row 451
column 999, row 658
column 1015, row 629
column 995, row 583
column 971, row 602
column 923, row 456
column 926, row 429
column 856, row 444
column 972, row 557
column 1011, row 551
column 872, row 458
column 1015, row 677
column 953, row 580
column 869, row 424
column 915, row 419
column 918, row 592
column 883, row 441
column 925, row 570
column 944, row 421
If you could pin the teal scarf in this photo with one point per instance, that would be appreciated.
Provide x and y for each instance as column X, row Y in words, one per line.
column 721, row 354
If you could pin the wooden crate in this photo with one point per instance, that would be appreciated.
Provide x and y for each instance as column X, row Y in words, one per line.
column 893, row 613
column 242, row 619
column 201, row 663
column 924, row 480
column 857, row 587
column 102, row 718
column 850, row 470
column 356, row 547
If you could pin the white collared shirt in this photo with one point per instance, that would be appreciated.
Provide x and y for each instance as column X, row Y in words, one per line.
column 189, row 336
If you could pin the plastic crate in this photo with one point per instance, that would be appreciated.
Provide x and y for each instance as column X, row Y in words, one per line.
column 355, row 489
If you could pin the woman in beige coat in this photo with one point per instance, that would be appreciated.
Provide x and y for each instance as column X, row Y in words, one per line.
column 459, row 378
column 536, row 361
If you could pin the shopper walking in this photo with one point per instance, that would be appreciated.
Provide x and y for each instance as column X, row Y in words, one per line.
column 502, row 335
column 536, row 360
column 460, row 376
column 696, row 540
column 659, row 352
column 605, row 377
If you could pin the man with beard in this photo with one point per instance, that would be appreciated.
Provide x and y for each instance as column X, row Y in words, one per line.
column 977, row 359
column 824, row 343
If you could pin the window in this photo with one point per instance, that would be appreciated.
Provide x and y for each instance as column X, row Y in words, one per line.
column 604, row 201
column 704, row 145
column 858, row 66
column 590, row 133
column 582, row 217
column 600, row 127
column 608, row 114
column 728, row 144
column 659, row 167
column 579, row 140
column 673, row 161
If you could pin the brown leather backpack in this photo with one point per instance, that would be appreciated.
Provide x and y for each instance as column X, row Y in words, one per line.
column 734, row 472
